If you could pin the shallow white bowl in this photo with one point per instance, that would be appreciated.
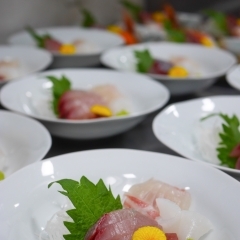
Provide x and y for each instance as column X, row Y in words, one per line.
column 31, row 97
column 22, row 141
column 232, row 44
column 175, row 125
column 23, row 214
column 233, row 77
column 101, row 38
column 213, row 63
column 31, row 60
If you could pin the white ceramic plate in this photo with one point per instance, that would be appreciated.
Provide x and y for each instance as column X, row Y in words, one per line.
column 232, row 44
column 22, row 142
column 28, row 60
column 176, row 125
column 102, row 39
column 26, row 209
column 211, row 63
column 32, row 97
column 233, row 77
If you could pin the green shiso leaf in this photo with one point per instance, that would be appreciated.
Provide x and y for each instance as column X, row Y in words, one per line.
column 230, row 138
column 90, row 203
column 133, row 8
column 144, row 61
column 2, row 176
column 39, row 39
column 219, row 19
column 173, row 34
column 60, row 86
column 88, row 18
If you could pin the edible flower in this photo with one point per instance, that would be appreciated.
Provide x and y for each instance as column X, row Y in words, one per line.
column 206, row 41
column 67, row 49
column 149, row 233
column 101, row 111
column 177, row 71
column 158, row 17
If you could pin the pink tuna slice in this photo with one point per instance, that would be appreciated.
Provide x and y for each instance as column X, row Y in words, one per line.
column 119, row 225
column 52, row 45
column 236, row 151
column 76, row 104
column 152, row 189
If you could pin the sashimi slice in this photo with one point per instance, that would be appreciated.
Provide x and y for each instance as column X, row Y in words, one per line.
column 119, row 225
column 140, row 206
column 193, row 226
column 186, row 224
column 170, row 215
column 76, row 104
column 152, row 189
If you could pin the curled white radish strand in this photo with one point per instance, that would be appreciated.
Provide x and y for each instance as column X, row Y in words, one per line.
column 186, row 224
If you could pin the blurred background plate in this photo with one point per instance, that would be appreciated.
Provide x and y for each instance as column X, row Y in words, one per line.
column 211, row 63
column 20, row 61
column 32, row 97
column 233, row 77
column 22, row 142
column 101, row 39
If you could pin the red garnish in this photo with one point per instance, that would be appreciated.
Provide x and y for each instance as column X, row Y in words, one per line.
column 171, row 236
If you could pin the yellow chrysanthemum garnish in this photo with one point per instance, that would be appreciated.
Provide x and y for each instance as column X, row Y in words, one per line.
column 158, row 17
column 101, row 111
column 149, row 233
column 178, row 71
column 207, row 42
column 67, row 49
column 114, row 29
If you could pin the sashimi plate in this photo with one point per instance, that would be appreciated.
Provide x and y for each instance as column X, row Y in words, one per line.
column 233, row 77
column 180, row 128
column 32, row 96
column 25, row 209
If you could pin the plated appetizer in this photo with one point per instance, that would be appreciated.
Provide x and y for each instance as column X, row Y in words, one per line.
column 149, row 210
column 218, row 140
column 76, row 104
column 11, row 68
column 48, row 42
column 176, row 67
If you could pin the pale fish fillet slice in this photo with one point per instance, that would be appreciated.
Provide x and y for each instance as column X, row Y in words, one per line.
column 152, row 189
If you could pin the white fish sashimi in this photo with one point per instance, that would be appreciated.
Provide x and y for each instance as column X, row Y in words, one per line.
column 152, row 189
column 206, row 138
column 170, row 215
column 187, row 224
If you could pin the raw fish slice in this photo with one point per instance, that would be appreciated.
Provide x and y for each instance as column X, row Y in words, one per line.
column 140, row 206
column 77, row 104
column 152, row 189
column 193, row 225
column 170, row 215
column 187, row 224
column 118, row 225
column 52, row 45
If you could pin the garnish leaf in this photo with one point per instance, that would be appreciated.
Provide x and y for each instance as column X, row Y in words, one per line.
column 60, row 86
column 133, row 8
column 91, row 202
column 39, row 39
column 122, row 113
column 88, row 18
column 174, row 34
column 144, row 61
column 230, row 138
column 219, row 19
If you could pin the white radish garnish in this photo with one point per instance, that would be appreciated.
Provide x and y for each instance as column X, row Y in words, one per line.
column 187, row 224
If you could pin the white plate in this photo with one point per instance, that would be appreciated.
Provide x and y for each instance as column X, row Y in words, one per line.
column 211, row 62
column 175, row 125
column 26, row 209
column 232, row 44
column 22, row 141
column 31, row 97
column 101, row 38
column 233, row 77
column 30, row 60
